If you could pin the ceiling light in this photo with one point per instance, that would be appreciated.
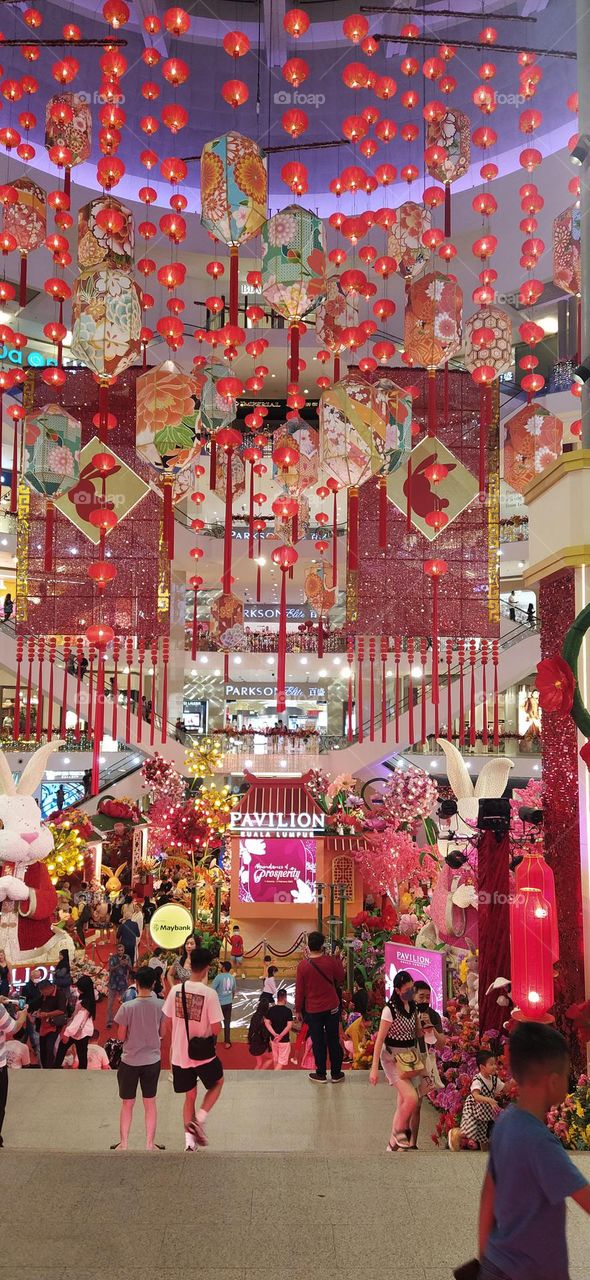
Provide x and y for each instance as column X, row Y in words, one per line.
column 549, row 324
column 270, row 662
column 303, row 662
column 416, row 673
column 322, row 673
column 204, row 657
column 434, row 764
column 237, row 659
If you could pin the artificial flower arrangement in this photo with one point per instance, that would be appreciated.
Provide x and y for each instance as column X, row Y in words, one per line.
column 570, row 1122
column 120, row 810
column 457, row 1066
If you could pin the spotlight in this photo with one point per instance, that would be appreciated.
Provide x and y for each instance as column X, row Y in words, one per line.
column 455, row 859
column 494, row 815
column 534, row 816
column 579, row 153
column 447, row 809
column 581, row 373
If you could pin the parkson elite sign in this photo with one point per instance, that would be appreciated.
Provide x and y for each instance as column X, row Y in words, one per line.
column 276, row 824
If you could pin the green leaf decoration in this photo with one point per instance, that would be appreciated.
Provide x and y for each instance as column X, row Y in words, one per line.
column 169, row 439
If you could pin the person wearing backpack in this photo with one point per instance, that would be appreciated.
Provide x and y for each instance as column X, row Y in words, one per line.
column 225, row 985
column 318, row 1003
column 259, row 1035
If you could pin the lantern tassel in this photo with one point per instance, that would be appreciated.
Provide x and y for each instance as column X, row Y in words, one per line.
column 335, row 538
column 472, row 702
column 78, row 690
column 91, row 708
column 31, row 658
column 115, row 690
column 233, row 284
column 14, row 477
column 49, row 534
column 22, row 285
column 449, row 693
column 212, row 466
column 397, row 692
column 39, row 721
column 350, row 660
column 294, row 360
column 67, row 181
column 227, row 532
column 103, row 409
column 461, row 695
column 484, row 422
column 64, row 691
column 140, row 693
column 432, row 402
column 372, row 690
column 165, row 657
column 382, row 513
column 98, row 724
column 447, row 210
column 410, row 703
column 251, row 515
column 320, row 636
column 423, row 657
column 353, row 529
column 359, row 692
column 336, row 368
column 50, row 693
column 446, row 393
column 496, row 700
column 128, row 707
column 282, row 645
column 168, row 528
column 16, row 713
column 408, row 493
column 383, row 690
column 194, row 632
column 435, row 690
column 484, row 692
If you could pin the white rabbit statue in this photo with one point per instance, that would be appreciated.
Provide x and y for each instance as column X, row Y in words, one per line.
column 453, row 909
column 28, row 899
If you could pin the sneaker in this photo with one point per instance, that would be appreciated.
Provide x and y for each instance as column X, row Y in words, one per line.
column 190, row 1144
column 197, row 1131
column 454, row 1139
column 313, row 1075
column 337, row 1079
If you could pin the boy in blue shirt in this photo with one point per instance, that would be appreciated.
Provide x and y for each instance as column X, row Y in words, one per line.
column 529, row 1175
column 225, row 985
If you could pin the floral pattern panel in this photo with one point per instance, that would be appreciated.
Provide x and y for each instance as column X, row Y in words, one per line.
column 433, row 320
column 26, row 219
column 52, row 442
column 102, row 246
column 533, row 439
column 404, row 242
column 106, row 322
column 77, row 133
column 234, row 188
column 166, row 419
column 453, row 133
column 566, row 250
column 294, row 262
column 352, row 432
column 303, row 471
column 394, row 407
column 498, row 352
column 338, row 311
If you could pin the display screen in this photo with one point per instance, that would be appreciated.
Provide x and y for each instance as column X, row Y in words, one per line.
column 277, row 870
column 427, row 965
column 73, row 793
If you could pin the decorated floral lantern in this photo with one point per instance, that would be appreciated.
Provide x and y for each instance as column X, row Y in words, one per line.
column 294, row 269
column 216, row 409
column 297, row 448
column 405, row 243
column 25, row 218
column 166, row 417
column 448, row 152
column 566, row 250
column 433, row 327
column 394, row 407
column 533, row 439
column 68, row 131
column 106, row 322
column 352, row 444
column 336, row 313
column 534, row 943
column 320, row 594
column 105, row 235
column 234, row 192
column 487, row 353
column 52, row 441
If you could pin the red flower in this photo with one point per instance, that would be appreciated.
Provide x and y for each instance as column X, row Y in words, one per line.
column 585, row 754
column 555, row 684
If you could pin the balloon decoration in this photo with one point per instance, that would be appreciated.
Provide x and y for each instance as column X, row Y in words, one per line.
column 166, row 429
column 294, row 269
column 52, row 440
column 448, row 152
column 234, row 191
column 532, row 441
column 25, row 218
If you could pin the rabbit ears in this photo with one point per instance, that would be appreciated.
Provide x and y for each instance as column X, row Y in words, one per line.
column 32, row 773
column 490, row 783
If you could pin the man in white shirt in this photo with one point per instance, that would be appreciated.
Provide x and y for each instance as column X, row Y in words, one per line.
column 195, row 1013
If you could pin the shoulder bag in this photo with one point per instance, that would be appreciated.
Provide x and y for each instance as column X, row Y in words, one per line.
column 331, row 982
column 409, row 1062
column 199, row 1048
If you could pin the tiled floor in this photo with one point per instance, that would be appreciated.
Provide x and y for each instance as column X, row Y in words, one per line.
column 295, row 1186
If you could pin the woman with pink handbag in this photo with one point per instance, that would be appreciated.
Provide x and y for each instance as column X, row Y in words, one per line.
column 78, row 1030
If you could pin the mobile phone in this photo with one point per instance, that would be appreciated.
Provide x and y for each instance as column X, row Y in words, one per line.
column 22, row 1004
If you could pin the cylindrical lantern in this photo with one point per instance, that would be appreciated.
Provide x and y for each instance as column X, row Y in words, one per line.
column 533, row 938
column 294, row 269
column 566, row 250
column 52, row 441
column 26, row 219
column 405, row 243
column 166, row 416
column 68, row 126
column 234, row 193
column 433, row 327
column 533, row 439
column 338, row 311
column 449, row 136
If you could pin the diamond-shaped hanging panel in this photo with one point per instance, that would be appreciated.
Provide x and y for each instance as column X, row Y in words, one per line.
column 448, row 494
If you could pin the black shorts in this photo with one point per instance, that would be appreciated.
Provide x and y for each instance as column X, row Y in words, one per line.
column 187, row 1078
column 129, row 1077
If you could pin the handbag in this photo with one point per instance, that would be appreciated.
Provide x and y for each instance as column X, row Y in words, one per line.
column 410, row 1062
column 331, row 982
column 199, row 1048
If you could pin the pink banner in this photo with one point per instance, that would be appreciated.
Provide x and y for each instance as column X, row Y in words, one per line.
column 274, row 870
column 427, row 965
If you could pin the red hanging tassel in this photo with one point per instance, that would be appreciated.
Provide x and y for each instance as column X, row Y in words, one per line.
column 168, row 529
column 359, row 689
column 212, row 465
column 449, row 659
column 408, row 493
column 350, row 661
column 16, row 712
column 196, row 582
column 103, row 410
column 432, row 402
column 411, row 735
column 258, row 571
column 372, row 688
column 79, row 657
column 227, row 532
column 226, row 667
column 397, row 651
column 294, row 357
column 141, row 656
column 40, row 656
column 484, row 691
column 447, row 210
column 336, row 368
column 320, row 636
column 282, row 645
column 496, row 706
column 22, row 284
column 233, row 284
column 384, row 654
column 353, row 529
column 128, row 661
column 92, row 727
column 423, row 661
column 67, row 181
column 115, row 686
column 435, row 686
column 485, row 413
column 49, row 533
column 1, row 440
column 446, row 393
column 52, row 644
column 461, row 694
column 64, row 688
column 30, row 659
column 382, row 487
column 154, row 657
column 98, row 723
column 472, row 657
column 165, row 660
column 14, row 478
column 251, row 515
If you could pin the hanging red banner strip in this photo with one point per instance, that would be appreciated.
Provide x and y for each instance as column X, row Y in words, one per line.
column 411, row 734
column 359, row 689
column 64, row 690
column 484, row 692
column 79, row 658
column 52, row 646
column 49, row 534
column 39, row 720
column 165, row 660
column 461, row 693
column 424, row 698
column 30, row 659
column 16, row 712
column 496, row 696
column 449, row 659
column 372, row 689
column 397, row 651
column 115, row 686
column 472, row 658
column 141, row 656
column 384, row 655
column 154, row 657
column 350, row 660
column 128, row 661
column 91, row 725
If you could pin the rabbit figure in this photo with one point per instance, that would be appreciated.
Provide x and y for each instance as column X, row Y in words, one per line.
column 454, row 903
column 27, row 897
column 112, row 884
